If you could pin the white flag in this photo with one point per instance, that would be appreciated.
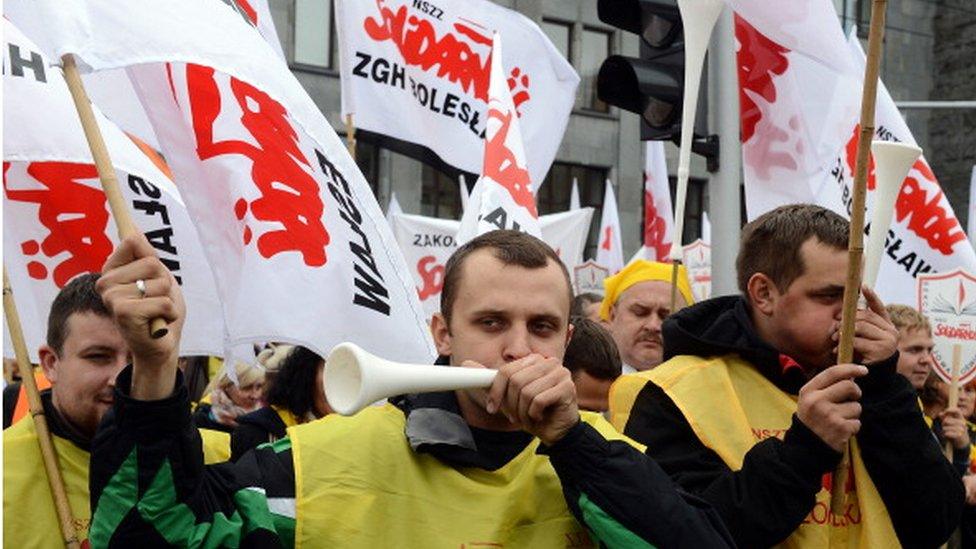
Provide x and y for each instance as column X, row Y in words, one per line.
column 420, row 73
column 503, row 197
column 658, row 220
column 789, row 95
column 566, row 233
column 463, row 190
column 300, row 249
column 57, row 223
column 706, row 229
column 609, row 251
column 574, row 199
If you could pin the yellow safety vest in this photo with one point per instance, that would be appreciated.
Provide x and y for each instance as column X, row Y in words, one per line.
column 216, row 446
column 731, row 407
column 360, row 485
column 29, row 515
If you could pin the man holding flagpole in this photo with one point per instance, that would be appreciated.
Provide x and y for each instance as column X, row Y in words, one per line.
column 443, row 469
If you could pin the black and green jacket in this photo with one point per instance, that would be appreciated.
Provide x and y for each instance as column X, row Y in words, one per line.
column 149, row 486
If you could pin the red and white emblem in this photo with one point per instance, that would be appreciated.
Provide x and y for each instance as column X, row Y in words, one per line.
column 949, row 302
column 697, row 258
column 588, row 277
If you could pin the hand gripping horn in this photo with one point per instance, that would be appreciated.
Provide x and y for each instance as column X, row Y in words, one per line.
column 892, row 162
column 354, row 378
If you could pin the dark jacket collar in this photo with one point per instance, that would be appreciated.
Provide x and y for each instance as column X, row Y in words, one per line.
column 722, row 326
column 59, row 426
column 434, row 425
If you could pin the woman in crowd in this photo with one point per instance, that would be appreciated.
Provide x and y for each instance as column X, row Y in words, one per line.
column 295, row 394
column 224, row 402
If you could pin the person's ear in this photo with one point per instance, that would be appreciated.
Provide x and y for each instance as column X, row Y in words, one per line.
column 442, row 334
column 762, row 293
column 49, row 363
column 569, row 334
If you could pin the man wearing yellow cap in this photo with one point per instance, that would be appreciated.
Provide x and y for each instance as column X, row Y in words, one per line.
column 635, row 303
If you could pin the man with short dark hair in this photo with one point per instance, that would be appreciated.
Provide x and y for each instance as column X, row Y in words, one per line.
column 83, row 354
column 587, row 305
column 751, row 412
column 594, row 363
column 515, row 465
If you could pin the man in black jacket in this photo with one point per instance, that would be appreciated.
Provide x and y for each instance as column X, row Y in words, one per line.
column 751, row 411
column 459, row 468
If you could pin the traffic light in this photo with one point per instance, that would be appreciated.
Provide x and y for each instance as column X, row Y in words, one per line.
column 653, row 84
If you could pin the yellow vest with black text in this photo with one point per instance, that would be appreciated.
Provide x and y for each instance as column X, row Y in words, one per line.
column 29, row 515
column 360, row 485
column 731, row 407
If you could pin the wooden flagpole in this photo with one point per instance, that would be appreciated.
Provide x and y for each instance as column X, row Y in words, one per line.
column 48, row 454
column 954, row 390
column 103, row 163
column 852, row 287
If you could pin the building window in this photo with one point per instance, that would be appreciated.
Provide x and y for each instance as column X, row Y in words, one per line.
column 440, row 195
column 863, row 18
column 595, row 49
column 553, row 196
column 694, row 208
column 560, row 34
column 315, row 36
column 368, row 160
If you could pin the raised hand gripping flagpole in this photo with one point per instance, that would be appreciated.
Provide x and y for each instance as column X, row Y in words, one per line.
column 852, row 286
column 698, row 18
column 48, row 454
column 103, row 163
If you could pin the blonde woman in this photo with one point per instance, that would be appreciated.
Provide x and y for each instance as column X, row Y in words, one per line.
column 225, row 402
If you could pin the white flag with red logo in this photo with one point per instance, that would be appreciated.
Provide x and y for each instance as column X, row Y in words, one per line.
column 658, row 221
column 300, row 249
column 420, row 71
column 57, row 223
column 503, row 196
column 609, row 251
column 427, row 242
column 799, row 130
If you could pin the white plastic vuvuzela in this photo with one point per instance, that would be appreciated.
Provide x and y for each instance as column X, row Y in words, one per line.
column 698, row 18
column 355, row 379
column 892, row 162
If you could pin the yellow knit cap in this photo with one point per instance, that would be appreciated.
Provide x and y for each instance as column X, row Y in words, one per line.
column 641, row 271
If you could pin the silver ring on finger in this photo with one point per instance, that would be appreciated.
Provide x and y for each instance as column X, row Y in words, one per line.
column 141, row 286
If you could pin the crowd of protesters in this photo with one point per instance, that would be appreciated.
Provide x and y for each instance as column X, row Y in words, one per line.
column 728, row 418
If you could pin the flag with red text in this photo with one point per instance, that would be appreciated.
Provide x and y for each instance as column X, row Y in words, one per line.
column 503, row 197
column 57, row 223
column 658, row 217
column 799, row 131
column 419, row 72
column 300, row 249
column 609, row 251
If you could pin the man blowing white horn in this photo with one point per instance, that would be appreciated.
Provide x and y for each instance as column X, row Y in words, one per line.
column 451, row 469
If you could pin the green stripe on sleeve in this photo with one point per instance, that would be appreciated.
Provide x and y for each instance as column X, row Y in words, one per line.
column 606, row 529
column 117, row 499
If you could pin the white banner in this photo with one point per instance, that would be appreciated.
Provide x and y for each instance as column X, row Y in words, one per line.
column 299, row 247
column 503, row 197
column 697, row 259
column 419, row 72
column 783, row 164
column 57, row 223
column 427, row 242
column 609, row 251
